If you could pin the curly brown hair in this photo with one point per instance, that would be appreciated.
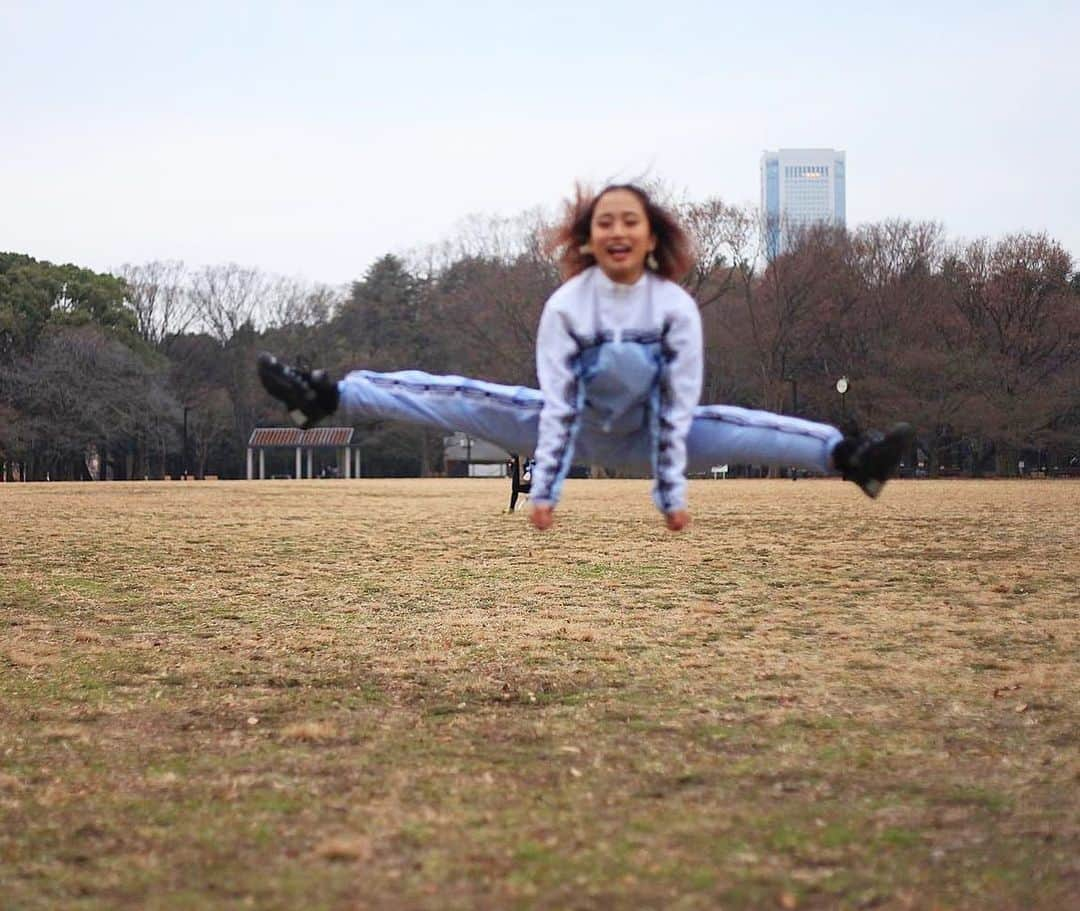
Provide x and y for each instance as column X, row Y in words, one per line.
column 674, row 249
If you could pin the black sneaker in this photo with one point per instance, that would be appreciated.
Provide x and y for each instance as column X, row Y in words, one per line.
column 871, row 458
column 310, row 395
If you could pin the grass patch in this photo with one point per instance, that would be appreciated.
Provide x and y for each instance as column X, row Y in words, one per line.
column 409, row 696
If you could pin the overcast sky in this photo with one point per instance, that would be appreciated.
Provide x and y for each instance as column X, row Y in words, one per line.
column 310, row 138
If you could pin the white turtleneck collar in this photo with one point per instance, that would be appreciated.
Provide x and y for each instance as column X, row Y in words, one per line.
column 609, row 288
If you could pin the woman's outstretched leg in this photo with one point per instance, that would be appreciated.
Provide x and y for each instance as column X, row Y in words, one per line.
column 505, row 415
column 724, row 434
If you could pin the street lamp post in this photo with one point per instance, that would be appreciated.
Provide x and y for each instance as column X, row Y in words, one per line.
column 842, row 388
column 187, row 408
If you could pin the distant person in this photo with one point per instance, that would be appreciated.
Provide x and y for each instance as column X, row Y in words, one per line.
column 619, row 358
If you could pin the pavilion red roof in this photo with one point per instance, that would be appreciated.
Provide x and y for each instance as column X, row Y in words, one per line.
column 317, row 437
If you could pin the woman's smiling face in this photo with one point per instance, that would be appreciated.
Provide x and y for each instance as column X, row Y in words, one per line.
column 620, row 236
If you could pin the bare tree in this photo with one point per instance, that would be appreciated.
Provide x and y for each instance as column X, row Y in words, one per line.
column 83, row 389
column 1023, row 317
column 484, row 290
column 228, row 297
column 490, row 311
column 293, row 302
column 160, row 298
column 232, row 306
column 728, row 244
column 901, row 341
column 482, row 237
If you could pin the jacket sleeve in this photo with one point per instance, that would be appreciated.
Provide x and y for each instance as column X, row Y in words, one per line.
column 556, row 353
column 679, row 393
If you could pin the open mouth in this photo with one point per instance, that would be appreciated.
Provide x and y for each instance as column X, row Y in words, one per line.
column 618, row 251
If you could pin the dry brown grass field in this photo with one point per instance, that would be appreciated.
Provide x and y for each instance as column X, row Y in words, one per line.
column 394, row 694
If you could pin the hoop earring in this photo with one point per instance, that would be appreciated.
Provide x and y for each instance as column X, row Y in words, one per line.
column 651, row 261
column 585, row 250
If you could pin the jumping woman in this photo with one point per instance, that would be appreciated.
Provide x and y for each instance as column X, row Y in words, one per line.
column 619, row 358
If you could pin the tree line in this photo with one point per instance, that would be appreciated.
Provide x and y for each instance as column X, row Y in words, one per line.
column 149, row 371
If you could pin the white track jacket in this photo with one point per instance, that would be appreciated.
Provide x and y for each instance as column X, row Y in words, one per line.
column 590, row 310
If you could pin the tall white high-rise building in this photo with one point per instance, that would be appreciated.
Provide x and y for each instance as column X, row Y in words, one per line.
column 800, row 187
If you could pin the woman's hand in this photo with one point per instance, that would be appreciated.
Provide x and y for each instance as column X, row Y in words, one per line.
column 542, row 516
column 677, row 519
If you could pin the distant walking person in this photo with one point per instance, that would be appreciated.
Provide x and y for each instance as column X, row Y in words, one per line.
column 619, row 358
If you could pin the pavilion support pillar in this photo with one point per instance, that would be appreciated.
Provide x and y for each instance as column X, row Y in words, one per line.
column 250, row 466
column 299, row 465
column 262, row 464
column 311, row 463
